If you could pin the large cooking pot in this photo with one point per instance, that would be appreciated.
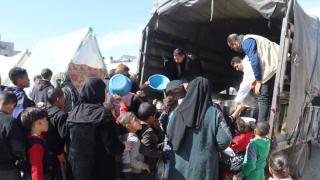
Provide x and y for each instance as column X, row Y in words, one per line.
column 228, row 106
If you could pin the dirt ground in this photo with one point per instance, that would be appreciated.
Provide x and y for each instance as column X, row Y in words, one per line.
column 312, row 171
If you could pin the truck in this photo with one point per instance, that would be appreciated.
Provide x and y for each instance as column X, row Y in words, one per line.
column 202, row 26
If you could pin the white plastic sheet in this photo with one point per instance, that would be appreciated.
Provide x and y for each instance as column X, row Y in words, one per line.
column 57, row 53
column 6, row 63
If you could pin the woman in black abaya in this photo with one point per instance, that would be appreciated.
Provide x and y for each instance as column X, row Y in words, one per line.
column 93, row 140
column 197, row 131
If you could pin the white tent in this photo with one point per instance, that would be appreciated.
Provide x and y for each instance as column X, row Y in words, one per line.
column 76, row 53
column 6, row 63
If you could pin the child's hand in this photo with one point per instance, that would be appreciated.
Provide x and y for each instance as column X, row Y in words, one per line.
column 144, row 85
column 140, row 93
column 41, row 105
column 185, row 86
column 147, row 169
column 147, row 83
column 154, row 102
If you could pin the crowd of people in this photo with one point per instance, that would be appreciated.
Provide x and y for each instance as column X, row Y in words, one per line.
column 60, row 133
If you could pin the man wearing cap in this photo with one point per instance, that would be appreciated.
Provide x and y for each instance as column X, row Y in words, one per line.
column 185, row 66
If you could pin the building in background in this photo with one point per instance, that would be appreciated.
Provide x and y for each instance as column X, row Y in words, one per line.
column 7, row 49
column 123, row 59
column 130, row 61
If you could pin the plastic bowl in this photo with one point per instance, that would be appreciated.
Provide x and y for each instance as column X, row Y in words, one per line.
column 120, row 85
column 158, row 82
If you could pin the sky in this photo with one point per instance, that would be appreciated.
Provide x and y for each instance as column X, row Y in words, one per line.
column 118, row 24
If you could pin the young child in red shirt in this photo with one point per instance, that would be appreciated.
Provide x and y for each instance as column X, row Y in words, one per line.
column 242, row 139
column 238, row 145
column 35, row 121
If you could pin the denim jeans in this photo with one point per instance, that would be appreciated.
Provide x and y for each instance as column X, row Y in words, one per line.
column 265, row 99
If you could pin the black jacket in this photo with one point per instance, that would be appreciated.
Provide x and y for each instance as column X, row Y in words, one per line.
column 93, row 138
column 57, row 130
column 12, row 145
column 93, row 146
column 190, row 68
column 150, row 146
column 71, row 97
column 39, row 93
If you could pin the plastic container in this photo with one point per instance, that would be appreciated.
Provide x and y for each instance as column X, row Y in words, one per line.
column 158, row 82
column 120, row 85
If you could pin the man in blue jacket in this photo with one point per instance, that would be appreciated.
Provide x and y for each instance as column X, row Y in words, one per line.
column 263, row 57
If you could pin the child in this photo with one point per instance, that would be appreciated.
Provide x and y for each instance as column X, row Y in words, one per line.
column 232, row 161
column 11, row 138
column 19, row 77
column 57, row 131
column 34, row 120
column 169, row 104
column 242, row 139
column 39, row 93
column 133, row 164
column 151, row 137
column 279, row 167
column 256, row 154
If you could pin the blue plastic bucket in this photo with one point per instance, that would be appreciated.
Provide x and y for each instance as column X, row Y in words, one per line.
column 120, row 85
column 158, row 82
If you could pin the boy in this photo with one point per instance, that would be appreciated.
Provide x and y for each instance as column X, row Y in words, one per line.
column 132, row 161
column 256, row 154
column 19, row 77
column 151, row 136
column 34, row 120
column 40, row 92
column 11, row 139
column 169, row 105
column 57, row 131
column 242, row 138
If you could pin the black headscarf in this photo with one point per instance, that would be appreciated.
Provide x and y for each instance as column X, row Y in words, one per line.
column 90, row 110
column 93, row 91
column 191, row 111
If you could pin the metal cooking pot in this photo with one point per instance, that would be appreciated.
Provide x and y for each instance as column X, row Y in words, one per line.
column 228, row 106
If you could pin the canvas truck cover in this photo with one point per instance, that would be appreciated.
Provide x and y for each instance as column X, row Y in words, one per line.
column 208, row 9
column 305, row 69
column 201, row 27
column 76, row 53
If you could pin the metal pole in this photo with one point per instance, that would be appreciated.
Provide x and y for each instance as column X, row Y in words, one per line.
column 144, row 53
column 140, row 59
column 283, row 51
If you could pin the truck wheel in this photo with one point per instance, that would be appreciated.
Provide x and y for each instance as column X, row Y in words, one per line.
column 300, row 154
